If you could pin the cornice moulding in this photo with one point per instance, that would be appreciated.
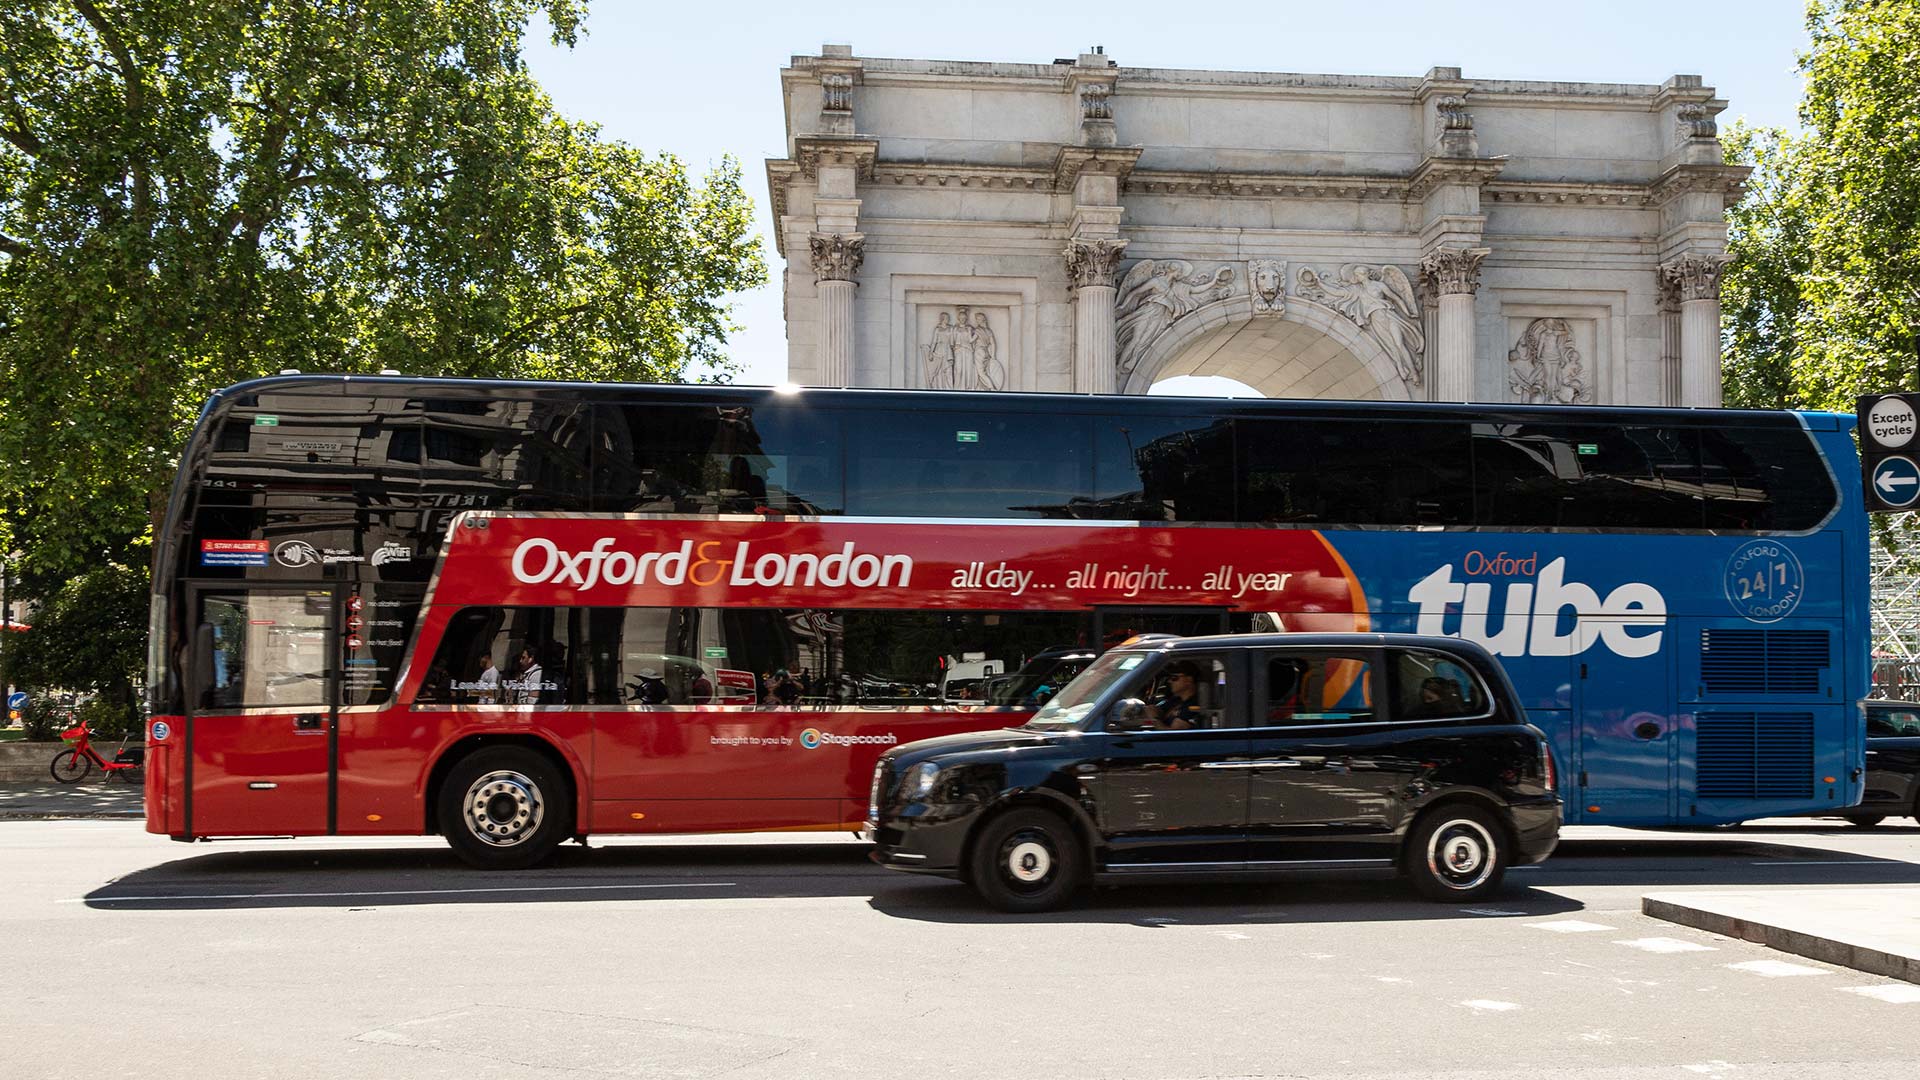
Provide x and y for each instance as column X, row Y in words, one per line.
column 810, row 150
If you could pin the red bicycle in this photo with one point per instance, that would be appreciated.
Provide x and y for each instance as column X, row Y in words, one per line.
column 72, row 765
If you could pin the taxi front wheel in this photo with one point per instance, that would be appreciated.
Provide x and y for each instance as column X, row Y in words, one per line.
column 1028, row 860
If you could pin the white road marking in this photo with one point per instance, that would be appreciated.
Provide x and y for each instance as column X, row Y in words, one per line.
column 1488, row 911
column 1391, row 979
column 1481, row 1005
column 394, row 892
column 1897, row 993
column 1711, row 1067
column 1666, row 945
column 1569, row 926
column 1777, row 969
column 1232, row 936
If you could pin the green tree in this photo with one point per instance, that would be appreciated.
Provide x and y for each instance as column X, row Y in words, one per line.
column 1823, row 302
column 82, row 640
column 194, row 192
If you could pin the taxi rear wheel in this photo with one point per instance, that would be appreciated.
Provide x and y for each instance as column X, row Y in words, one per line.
column 1457, row 852
column 1028, row 860
column 1866, row 821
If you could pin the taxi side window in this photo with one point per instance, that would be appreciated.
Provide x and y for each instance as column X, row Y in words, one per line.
column 1434, row 686
column 1320, row 688
column 1189, row 692
column 1887, row 724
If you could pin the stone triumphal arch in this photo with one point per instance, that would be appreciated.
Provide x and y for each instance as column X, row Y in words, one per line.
column 1083, row 227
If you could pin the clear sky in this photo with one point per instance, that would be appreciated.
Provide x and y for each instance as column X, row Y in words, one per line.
column 701, row 80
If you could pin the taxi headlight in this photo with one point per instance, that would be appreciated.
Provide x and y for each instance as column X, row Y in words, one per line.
column 921, row 780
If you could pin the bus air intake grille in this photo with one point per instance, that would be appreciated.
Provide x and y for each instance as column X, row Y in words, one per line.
column 1754, row 755
column 1763, row 661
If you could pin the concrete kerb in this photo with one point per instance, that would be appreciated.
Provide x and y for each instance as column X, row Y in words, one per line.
column 1756, row 917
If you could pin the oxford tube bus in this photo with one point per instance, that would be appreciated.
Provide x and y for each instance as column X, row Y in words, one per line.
column 512, row 612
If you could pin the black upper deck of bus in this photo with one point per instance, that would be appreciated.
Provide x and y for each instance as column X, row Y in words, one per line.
column 999, row 401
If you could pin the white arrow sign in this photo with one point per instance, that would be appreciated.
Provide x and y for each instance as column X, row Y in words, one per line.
column 1887, row 482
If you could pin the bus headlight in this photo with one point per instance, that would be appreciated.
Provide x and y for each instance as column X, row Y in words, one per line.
column 920, row 782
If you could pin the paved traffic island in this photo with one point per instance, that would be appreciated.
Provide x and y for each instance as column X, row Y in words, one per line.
column 1875, row 930
column 55, row 802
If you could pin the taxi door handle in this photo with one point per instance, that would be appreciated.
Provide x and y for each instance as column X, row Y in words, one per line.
column 309, row 721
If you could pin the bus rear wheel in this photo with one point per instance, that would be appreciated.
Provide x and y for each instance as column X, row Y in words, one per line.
column 504, row 808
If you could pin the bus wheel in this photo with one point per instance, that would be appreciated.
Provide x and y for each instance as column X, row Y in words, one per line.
column 1458, row 852
column 504, row 808
column 1028, row 860
column 1866, row 821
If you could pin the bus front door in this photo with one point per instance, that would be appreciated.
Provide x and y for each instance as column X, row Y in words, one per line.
column 1623, row 709
column 261, row 715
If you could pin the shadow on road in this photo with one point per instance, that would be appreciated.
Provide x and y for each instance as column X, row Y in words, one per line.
column 326, row 877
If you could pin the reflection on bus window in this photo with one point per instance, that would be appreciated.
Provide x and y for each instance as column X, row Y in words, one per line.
column 764, row 658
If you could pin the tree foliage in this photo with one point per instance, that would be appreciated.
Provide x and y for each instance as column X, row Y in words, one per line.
column 194, row 192
column 82, row 639
column 1822, row 302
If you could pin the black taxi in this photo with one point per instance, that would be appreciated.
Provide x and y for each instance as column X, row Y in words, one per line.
column 1235, row 755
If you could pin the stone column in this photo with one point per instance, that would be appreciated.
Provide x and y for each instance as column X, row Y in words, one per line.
column 1668, row 307
column 1455, row 276
column 836, row 263
column 1697, row 277
column 1090, row 267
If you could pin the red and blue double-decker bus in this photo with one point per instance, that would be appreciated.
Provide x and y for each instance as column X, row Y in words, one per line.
column 513, row 612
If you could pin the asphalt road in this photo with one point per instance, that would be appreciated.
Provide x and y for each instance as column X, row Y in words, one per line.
column 762, row 957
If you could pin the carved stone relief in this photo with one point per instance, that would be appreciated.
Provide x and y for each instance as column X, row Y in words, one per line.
column 1453, row 113
column 836, row 92
column 1267, row 285
column 1696, row 122
column 836, row 257
column 1096, row 101
column 1381, row 302
column 1092, row 262
column 1695, row 277
column 1546, row 368
column 1154, row 295
column 960, row 349
column 1451, row 271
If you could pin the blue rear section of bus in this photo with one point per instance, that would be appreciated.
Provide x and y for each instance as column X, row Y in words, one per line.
column 1738, row 699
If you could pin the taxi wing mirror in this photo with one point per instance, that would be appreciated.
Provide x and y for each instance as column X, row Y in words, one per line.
column 1128, row 714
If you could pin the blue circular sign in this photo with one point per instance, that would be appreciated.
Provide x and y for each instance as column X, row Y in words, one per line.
column 1896, row 481
column 1764, row 581
column 161, row 731
column 17, row 699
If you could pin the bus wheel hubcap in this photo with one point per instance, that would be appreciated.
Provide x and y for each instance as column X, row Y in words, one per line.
column 504, row 808
column 1029, row 861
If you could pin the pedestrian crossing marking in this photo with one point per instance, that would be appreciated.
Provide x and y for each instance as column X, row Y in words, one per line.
column 1896, row 993
column 1777, row 969
column 1480, row 1005
column 1569, row 926
column 1665, row 945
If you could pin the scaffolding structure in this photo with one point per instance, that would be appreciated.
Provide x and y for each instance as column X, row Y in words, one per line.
column 1895, row 602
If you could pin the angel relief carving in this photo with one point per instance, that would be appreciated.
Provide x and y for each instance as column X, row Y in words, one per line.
column 1381, row 302
column 1154, row 295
